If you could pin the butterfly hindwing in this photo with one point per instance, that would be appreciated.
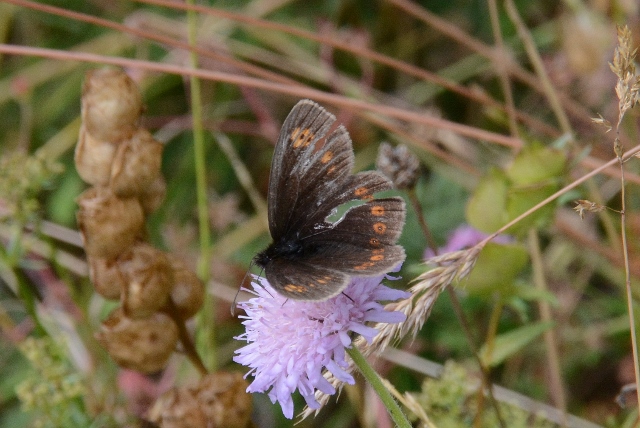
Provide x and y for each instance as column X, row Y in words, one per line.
column 363, row 241
column 304, row 281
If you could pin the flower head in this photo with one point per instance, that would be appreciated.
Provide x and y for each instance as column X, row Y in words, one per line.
column 291, row 342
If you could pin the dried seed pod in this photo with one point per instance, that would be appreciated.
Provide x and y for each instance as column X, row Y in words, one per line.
column 106, row 277
column 399, row 164
column 224, row 400
column 109, row 225
column 188, row 291
column 93, row 158
column 218, row 400
column 152, row 197
column 111, row 104
column 136, row 164
column 144, row 345
column 149, row 279
column 178, row 408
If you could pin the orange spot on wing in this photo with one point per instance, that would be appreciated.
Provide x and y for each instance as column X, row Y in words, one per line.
column 294, row 289
column 377, row 210
column 363, row 193
column 301, row 137
column 364, row 266
column 379, row 228
column 327, row 157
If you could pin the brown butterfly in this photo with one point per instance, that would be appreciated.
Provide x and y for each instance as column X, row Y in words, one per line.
column 311, row 257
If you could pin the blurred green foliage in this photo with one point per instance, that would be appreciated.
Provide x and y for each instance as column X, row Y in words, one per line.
column 477, row 182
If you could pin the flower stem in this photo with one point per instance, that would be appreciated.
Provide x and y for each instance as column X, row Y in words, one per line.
column 207, row 316
column 183, row 335
column 374, row 380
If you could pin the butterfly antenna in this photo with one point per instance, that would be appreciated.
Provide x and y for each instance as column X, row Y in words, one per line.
column 235, row 298
column 347, row 296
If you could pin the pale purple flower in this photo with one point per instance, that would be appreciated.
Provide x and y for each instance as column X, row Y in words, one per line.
column 291, row 342
column 463, row 237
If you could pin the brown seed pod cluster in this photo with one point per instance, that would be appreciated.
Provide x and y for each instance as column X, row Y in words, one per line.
column 218, row 400
column 122, row 160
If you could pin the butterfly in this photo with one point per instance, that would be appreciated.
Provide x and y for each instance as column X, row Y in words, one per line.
column 312, row 257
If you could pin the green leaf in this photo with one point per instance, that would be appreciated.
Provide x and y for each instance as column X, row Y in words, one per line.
column 508, row 344
column 535, row 164
column 528, row 292
column 496, row 269
column 520, row 199
column 486, row 210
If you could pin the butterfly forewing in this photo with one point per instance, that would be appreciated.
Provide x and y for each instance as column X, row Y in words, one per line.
column 306, row 124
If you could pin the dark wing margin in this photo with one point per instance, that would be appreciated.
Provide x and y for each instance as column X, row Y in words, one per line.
column 305, row 125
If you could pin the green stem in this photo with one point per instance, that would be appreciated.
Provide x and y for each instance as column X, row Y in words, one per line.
column 206, row 318
column 546, row 315
column 374, row 380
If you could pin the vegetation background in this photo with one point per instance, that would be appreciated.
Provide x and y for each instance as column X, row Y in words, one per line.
column 495, row 99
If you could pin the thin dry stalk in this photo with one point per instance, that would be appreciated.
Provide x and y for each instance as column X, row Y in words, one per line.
column 409, row 401
column 534, row 57
column 502, row 72
column 360, row 52
column 299, row 92
column 628, row 92
column 165, row 40
column 514, row 69
column 242, row 172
